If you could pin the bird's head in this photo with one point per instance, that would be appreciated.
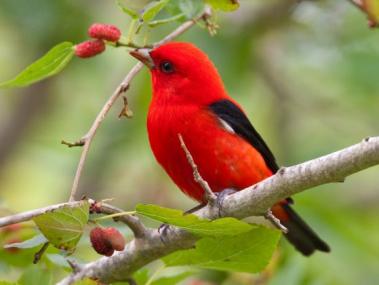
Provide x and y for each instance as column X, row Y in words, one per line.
column 182, row 73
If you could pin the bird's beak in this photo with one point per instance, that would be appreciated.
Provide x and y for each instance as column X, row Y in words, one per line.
column 143, row 55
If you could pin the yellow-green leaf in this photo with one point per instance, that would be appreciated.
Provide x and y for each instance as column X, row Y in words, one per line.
column 64, row 227
column 372, row 9
column 152, row 9
column 172, row 280
column 133, row 14
column 224, row 5
column 36, row 276
column 86, row 281
column 48, row 65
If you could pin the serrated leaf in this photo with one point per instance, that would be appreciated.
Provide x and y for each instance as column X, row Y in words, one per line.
column 171, row 280
column 36, row 276
column 48, row 65
column 152, row 9
column 224, row 5
column 64, row 226
column 192, row 223
column 247, row 252
column 30, row 243
column 133, row 14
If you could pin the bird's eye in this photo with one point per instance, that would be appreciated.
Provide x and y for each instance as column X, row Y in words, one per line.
column 167, row 67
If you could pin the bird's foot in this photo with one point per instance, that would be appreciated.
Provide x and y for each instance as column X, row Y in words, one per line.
column 163, row 230
column 221, row 197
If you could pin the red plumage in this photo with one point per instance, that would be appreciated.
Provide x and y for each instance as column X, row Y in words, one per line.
column 228, row 151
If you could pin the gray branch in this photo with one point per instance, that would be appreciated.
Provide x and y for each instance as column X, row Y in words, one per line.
column 252, row 201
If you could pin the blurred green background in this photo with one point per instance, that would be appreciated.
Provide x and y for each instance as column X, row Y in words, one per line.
column 306, row 74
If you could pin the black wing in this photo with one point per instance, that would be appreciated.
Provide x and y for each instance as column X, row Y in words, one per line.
column 237, row 120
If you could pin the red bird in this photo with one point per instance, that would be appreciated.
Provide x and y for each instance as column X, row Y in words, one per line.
column 189, row 98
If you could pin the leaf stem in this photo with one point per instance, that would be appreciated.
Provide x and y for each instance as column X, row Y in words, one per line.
column 114, row 216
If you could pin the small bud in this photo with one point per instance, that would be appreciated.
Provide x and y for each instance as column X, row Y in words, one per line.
column 100, row 243
column 115, row 238
column 89, row 48
column 104, row 32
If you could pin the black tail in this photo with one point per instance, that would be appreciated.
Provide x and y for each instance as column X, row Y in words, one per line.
column 300, row 234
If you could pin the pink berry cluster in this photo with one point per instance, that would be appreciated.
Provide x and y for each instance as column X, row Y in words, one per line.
column 106, row 240
column 99, row 33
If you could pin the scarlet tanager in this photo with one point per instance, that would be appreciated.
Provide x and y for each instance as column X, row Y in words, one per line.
column 189, row 98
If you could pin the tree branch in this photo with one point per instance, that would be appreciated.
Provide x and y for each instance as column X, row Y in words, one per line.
column 254, row 200
column 27, row 216
column 131, row 221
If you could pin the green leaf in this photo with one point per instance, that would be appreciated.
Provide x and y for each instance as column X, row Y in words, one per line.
column 36, row 276
column 152, row 9
column 8, row 283
column 59, row 260
column 141, row 276
column 247, row 252
column 372, row 9
column 177, row 17
column 172, row 280
column 133, row 14
column 48, row 65
column 224, row 5
column 30, row 243
column 190, row 8
column 86, row 281
column 192, row 223
column 64, row 226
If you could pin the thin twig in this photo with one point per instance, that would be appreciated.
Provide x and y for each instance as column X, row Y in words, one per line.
column 80, row 142
column 116, row 94
column 76, row 267
column 28, row 215
column 208, row 193
column 133, row 222
column 96, row 124
column 275, row 221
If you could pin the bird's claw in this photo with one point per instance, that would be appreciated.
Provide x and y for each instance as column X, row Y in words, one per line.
column 221, row 197
column 163, row 230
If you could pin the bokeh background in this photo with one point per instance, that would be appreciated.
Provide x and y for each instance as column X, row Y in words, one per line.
column 306, row 73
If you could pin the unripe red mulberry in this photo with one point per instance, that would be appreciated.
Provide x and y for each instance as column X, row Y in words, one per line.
column 104, row 32
column 115, row 238
column 100, row 242
column 89, row 48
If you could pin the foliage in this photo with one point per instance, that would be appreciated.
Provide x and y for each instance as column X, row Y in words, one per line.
column 193, row 224
column 64, row 226
column 48, row 65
